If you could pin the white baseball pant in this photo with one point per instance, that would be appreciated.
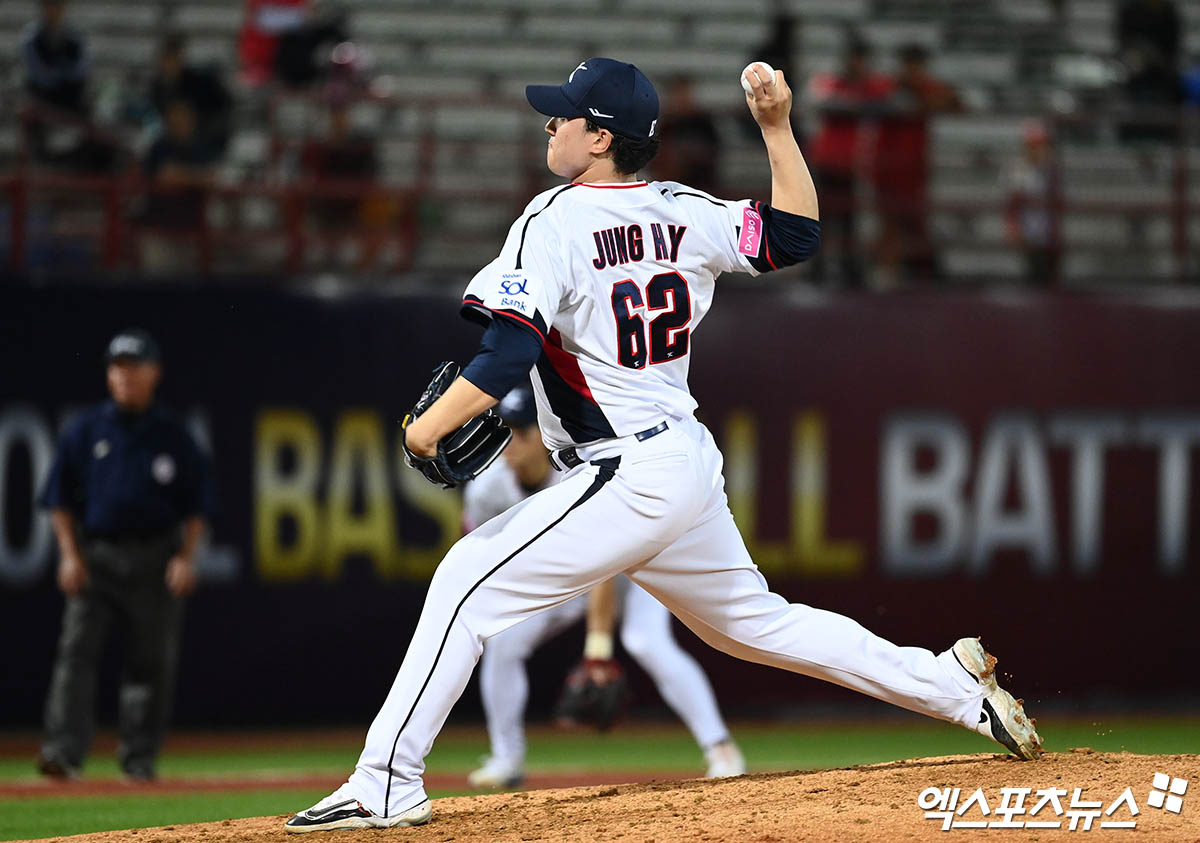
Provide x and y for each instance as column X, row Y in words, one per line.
column 645, row 634
column 655, row 510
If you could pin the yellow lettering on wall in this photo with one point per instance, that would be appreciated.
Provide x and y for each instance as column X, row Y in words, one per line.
column 359, row 452
column 292, row 495
column 740, row 448
column 818, row 556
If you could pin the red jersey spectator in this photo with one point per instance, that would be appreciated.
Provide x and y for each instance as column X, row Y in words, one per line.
column 901, row 167
column 846, row 101
column 265, row 22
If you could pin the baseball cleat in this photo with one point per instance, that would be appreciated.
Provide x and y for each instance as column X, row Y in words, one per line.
column 55, row 768
column 1002, row 718
column 342, row 810
column 497, row 773
column 724, row 760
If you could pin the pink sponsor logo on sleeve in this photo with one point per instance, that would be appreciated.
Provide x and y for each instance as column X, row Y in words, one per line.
column 751, row 237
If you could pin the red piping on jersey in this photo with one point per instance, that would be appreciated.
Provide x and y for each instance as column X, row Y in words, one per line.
column 610, row 186
column 566, row 365
column 479, row 304
column 766, row 242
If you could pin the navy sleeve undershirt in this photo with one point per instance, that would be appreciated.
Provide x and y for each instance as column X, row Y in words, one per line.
column 787, row 239
column 508, row 351
column 197, row 493
column 61, row 490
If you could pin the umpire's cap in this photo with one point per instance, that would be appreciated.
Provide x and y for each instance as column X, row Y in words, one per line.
column 133, row 344
column 610, row 93
column 518, row 409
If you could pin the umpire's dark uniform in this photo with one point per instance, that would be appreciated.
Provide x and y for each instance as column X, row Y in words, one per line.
column 128, row 485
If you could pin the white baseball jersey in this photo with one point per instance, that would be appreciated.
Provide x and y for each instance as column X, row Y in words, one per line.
column 614, row 278
column 494, row 491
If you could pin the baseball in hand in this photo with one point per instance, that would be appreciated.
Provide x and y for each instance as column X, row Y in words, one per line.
column 770, row 72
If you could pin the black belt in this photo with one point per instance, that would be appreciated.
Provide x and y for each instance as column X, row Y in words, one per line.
column 566, row 458
column 131, row 538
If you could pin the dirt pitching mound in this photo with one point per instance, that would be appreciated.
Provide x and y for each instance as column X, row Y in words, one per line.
column 873, row 803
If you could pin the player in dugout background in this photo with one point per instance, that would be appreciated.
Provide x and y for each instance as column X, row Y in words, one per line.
column 594, row 693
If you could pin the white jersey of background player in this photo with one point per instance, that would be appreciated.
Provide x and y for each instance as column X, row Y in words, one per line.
column 643, row 494
column 645, row 626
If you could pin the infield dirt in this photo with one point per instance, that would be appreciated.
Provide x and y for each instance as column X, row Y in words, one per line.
column 876, row 803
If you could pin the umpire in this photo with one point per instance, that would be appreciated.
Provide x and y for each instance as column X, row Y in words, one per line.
column 129, row 492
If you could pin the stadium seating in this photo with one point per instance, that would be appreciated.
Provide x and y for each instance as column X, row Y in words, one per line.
column 1010, row 59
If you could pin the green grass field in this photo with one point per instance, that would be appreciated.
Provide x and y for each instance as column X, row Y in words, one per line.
column 666, row 749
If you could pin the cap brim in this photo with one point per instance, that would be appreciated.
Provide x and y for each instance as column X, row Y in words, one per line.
column 551, row 101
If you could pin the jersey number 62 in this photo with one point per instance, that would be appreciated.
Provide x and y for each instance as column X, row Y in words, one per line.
column 668, row 338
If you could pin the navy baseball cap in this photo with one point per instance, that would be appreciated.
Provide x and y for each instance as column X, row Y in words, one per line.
column 517, row 408
column 610, row 93
column 133, row 344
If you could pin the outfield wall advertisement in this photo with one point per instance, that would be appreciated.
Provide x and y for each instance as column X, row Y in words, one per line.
column 1016, row 466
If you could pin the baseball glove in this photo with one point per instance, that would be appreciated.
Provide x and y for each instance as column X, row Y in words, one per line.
column 595, row 693
column 461, row 454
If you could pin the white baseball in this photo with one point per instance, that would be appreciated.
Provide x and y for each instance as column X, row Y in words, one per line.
column 748, row 69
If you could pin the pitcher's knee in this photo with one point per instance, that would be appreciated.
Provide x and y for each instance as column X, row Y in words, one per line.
column 448, row 578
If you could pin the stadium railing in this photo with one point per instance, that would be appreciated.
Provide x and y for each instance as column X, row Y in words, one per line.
column 480, row 153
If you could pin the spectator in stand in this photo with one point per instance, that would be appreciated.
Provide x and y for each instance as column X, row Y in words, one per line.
column 299, row 62
column 1028, row 212
column 1191, row 84
column 200, row 87
column 845, row 101
column 179, row 169
column 56, row 78
column 1149, row 35
column 695, row 145
column 258, row 42
column 341, row 157
column 180, row 157
column 342, row 167
column 779, row 50
column 902, row 168
column 56, row 62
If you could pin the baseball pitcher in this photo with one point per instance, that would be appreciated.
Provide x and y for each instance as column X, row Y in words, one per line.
column 597, row 291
